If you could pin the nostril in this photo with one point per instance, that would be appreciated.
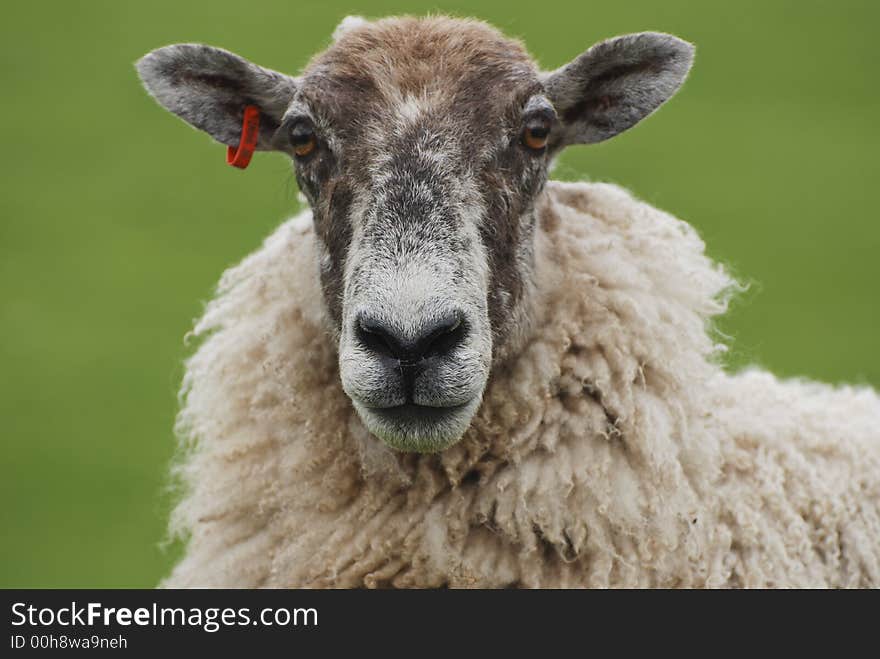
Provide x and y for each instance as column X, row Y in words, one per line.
column 444, row 337
column 436, row 338
column 377, row 337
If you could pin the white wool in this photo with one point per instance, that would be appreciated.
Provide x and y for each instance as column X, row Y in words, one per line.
column 611, row 451
column 347, row 24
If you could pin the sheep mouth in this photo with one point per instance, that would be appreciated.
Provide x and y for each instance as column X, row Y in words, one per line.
column 419, row 428
column 415, row 413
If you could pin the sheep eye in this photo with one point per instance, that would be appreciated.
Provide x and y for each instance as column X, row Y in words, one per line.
column 303, row 139
column 535, row 137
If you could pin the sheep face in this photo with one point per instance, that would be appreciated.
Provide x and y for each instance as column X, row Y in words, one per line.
column 422, row 146
column 423, row 195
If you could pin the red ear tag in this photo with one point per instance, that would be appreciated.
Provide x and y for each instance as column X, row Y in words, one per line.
column 250, row 132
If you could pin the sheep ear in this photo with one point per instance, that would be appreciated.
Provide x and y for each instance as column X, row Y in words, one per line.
column 616, row 84
column 209, row 88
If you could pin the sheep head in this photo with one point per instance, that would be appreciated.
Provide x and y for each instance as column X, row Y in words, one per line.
column 422, row 146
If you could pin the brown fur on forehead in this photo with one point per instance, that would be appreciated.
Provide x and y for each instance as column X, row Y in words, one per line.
column 448, row 58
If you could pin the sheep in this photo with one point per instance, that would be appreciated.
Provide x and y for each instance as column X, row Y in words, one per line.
column 451, row 371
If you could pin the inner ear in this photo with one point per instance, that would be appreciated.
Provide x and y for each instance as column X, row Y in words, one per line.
column 209, row 88
column 615, row 84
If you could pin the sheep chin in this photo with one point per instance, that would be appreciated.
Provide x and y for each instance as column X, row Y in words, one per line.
column 418, row 429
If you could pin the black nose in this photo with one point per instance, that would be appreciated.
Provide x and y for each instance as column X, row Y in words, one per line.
column 435, row 338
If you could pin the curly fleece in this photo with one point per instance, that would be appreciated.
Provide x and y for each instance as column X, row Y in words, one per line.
column 611, row 451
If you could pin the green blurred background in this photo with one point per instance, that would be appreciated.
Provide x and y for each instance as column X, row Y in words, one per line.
column 116, row 220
